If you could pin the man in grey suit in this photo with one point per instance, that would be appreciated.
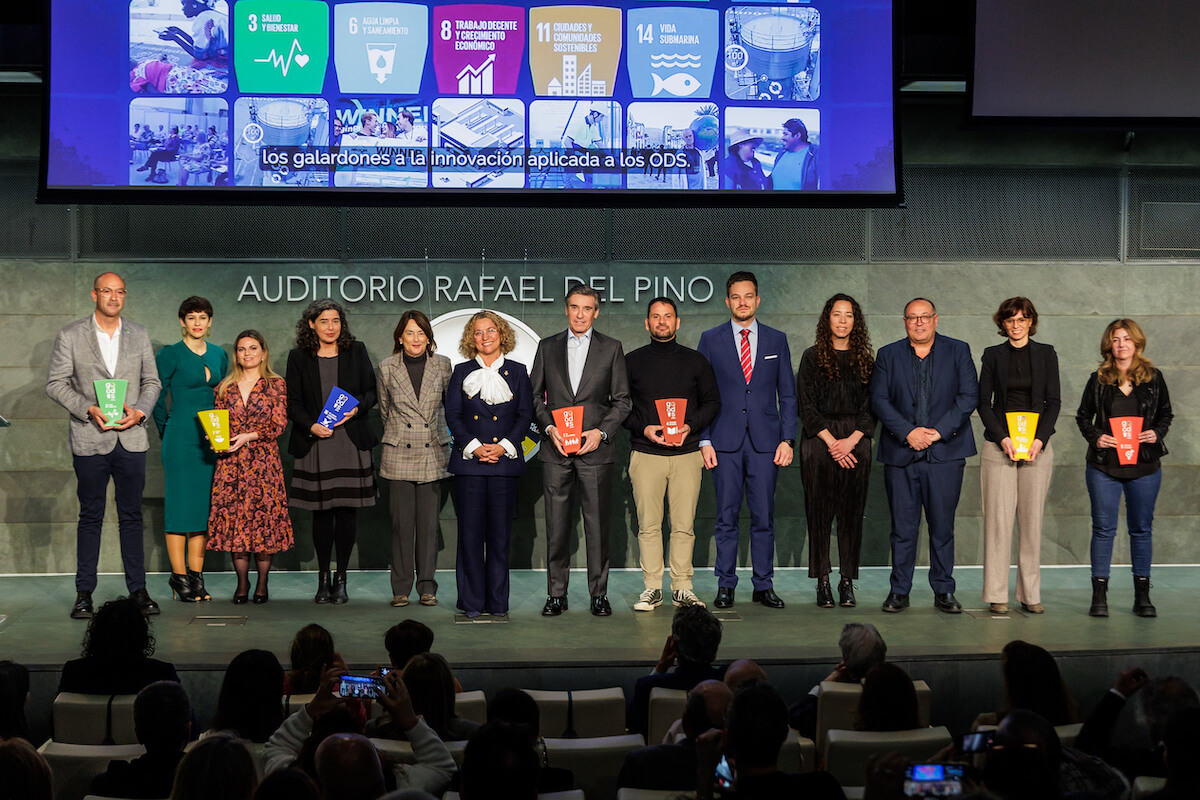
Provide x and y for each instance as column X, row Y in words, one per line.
column 101, row 346
column 579, row 367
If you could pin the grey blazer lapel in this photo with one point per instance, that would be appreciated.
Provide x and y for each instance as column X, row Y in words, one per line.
column 88, row 331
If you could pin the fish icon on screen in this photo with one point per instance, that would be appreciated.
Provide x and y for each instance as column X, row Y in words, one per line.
column 681, row 84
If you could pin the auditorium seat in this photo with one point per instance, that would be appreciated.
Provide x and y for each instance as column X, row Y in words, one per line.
column 1067, row 734
column 584, row 713
column 471, row 705
column 1144, row 786
column 573, row 794
column 294, row 702
column 651, row 794
column 846, row 752
column 595, row 762
column 399, row 751
column 837, row 703
column 75, row 765
column 798, row 754
column 666, row 707
column 93, row 718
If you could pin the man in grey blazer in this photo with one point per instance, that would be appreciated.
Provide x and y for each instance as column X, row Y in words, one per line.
column 100, row 346
column 579, row 367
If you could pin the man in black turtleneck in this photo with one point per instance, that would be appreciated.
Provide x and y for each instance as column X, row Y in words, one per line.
column 666, row 370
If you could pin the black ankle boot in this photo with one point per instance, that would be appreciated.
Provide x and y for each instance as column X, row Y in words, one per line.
column 323, row 594
column 181, row 589
column 1141, row 598
column 196, row 581
column 1099, row 598
column 846, row 593
column 824, row 593
column 338, row 595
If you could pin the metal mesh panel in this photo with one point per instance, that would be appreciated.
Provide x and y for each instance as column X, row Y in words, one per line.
column 1164, row 213
column 539, row 234
column 200, row 233
column 997, row 213
column 27, row 229
column 739, row 235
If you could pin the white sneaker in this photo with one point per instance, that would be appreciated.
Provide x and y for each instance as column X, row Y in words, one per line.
column 686, row 597
column 648, row 600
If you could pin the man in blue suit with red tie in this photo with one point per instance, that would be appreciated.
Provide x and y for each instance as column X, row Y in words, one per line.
column 923, row 390
column 751, row 438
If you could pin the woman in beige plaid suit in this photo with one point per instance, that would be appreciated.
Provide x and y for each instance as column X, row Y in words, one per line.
column 412, row 387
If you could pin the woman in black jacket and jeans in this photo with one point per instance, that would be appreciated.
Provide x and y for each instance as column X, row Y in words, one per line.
column 1125, row 385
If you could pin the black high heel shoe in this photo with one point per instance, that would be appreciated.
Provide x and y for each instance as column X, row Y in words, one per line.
column 181, row 588
column 259, row 599
column 241, row 599
column 196, row 582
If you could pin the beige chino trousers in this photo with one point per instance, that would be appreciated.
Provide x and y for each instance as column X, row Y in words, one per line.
column 1013, row 491
column 677, row 478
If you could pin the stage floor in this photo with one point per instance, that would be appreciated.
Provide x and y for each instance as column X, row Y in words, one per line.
column 957, row 654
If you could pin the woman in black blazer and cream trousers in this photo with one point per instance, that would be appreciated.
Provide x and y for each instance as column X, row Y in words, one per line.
column 1018, row 375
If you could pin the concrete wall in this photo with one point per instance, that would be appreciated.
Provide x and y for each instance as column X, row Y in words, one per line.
column 1057, row 217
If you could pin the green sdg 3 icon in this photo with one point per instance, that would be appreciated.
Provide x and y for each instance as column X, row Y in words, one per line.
column 280, row 46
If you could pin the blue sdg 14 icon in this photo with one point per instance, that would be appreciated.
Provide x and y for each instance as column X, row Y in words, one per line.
column 672, row 52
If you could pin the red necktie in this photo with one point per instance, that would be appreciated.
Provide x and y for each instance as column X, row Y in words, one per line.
column 747, row 364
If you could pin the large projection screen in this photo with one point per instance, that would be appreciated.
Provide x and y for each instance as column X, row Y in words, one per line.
column 629, row 102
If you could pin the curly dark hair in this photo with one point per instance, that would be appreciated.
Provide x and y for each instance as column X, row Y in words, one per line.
column 306, row 337
column 118, row 632
column 862, row 355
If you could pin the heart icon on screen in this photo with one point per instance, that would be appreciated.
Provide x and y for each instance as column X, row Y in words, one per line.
column 302, row 59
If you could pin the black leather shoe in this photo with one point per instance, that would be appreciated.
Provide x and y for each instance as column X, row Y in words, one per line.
column 83, row 608
column 724, row 597
column 142, row 598
column 600, row 607
column 824, row 593
column 946, row 602
column 895, row 603
column 260, row 599
column 768, row 598
column 846, row 593
column 554, row 606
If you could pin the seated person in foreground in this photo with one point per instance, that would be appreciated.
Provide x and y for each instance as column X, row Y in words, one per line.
column 498, row 766
column 755, row 730
column 519, row 710
column 430, row 684
column 1181, row 743
column 691, row 648
column 862, row 648
column 673, row 766
column 14, row 699
column 116, row 654
column 888, row 701
column 162, row 720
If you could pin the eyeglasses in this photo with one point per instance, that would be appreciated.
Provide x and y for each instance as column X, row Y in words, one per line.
column 919, row 319
column 1017, row 321
column 487, row 332
column 106, row 292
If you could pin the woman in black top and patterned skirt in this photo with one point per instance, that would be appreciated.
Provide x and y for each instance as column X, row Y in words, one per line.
column 333, row 475
column 835, row 446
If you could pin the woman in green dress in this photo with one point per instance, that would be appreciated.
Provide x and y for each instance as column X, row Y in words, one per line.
column 189, row 370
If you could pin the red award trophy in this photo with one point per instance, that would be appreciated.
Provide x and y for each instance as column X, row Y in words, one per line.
column 1125, row 430
column 569, row 422
column 671, row 412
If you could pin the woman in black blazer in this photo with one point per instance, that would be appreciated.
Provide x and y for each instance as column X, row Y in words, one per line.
column 333, row 475
column 1020, row 375
column 489, row 405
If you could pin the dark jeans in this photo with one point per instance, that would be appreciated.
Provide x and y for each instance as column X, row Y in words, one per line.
column 128, row 473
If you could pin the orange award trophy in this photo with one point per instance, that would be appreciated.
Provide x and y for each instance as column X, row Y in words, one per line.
column 1125, row 430
column 216, row 427
column 1022, row 425
column 569, row 422
column 671, row 412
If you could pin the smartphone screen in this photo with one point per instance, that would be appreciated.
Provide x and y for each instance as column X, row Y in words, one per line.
column 933, row 780
column 975, row 742
column 362, row 686
column 724, row 775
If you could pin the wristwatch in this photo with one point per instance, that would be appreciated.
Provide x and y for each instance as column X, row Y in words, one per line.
column 603, row 436
column 790, row 443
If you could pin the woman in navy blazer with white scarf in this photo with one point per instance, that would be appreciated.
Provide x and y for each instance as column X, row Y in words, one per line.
column 489, row 405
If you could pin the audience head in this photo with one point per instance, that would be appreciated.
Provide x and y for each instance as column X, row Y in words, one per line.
column 219, row 767
column 1181, row 739
column 430, row 684
column 287, row 784
column 348, row 768
column 706, row 707
column 697, row 635
column 406, row 639
column 339, row 719
column 862, row 648
column 755, row 727
column 312, row 654
column 118, row 632
column 1024, row 760
column 14, row 696
column 24, row 773
column 888, row 701
column 1032, row 681
column 741, row 671
column 498, row 764
column 516, row 708
column 1159, row 699
column 162, row 717
column 251, row 698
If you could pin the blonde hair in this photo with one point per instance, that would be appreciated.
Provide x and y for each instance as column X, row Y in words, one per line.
column 1141, row 370
column 236, row 373
column 508, row 339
